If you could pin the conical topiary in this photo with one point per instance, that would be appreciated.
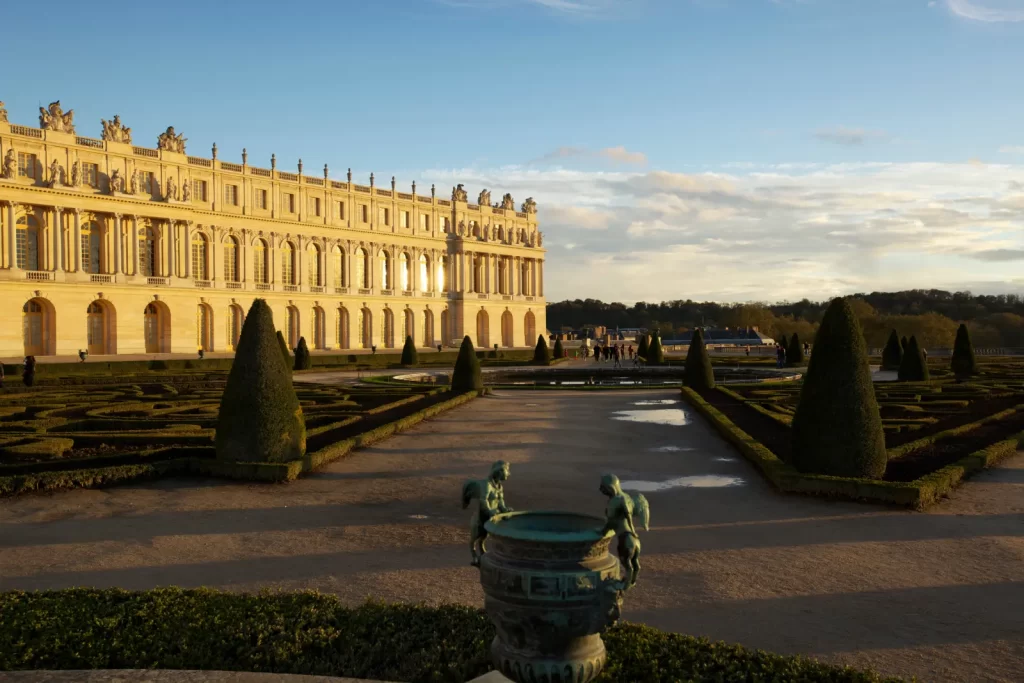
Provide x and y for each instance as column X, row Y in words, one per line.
column 466, row 376
column 697, row 373
column 964, row 364
column 409, row 356
column 795, row 351
column 643, row 348
column 283, row 345
column 837, row 428
column 655, row 354
column 541, row 354
column 303, row 361
column 558, row 351
column 892, row 354
column 260, row 417
column 904, row 344
column 914, row 368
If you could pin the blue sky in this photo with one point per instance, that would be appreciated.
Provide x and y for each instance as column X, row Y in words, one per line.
column 738, row 149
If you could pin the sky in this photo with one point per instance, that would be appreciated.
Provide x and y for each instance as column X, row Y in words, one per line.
column 729, row 150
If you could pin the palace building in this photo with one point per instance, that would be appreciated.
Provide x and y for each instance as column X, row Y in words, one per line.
column 119, row 249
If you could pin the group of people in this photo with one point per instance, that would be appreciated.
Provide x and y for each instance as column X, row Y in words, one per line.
column 617, row 353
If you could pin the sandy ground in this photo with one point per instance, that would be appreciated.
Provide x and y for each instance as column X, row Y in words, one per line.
column 938, row 594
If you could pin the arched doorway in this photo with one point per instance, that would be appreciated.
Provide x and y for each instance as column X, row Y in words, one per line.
column 204, row 327
column 410, row 325
column 100, row 329
column 530, row 327
column 291, row 327
column 342, row 332
column 483, row 337
column 157, row 327
column 389, row 329
column 39, row 327
column 235, row 319
column 428, row 328
column 446, row 329
column 319, row 336
column 506, row 329
column 365, row 328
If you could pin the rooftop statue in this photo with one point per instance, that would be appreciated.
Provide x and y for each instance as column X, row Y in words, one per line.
column 507, row 202
column 171, row 142
column 484, row 199
column 3, row 112
column 529, row 206
column 489, row 494
column 622, row 507
column 54, row 118
column 115, row 131
column 459, row 194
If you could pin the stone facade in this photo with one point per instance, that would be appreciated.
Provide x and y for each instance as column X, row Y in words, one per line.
column 119, row 249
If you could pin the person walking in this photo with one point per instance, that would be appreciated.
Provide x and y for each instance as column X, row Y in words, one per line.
column 597, row 354
column 615, row 356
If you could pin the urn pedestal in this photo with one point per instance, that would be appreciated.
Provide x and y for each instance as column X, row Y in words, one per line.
column 551, row 589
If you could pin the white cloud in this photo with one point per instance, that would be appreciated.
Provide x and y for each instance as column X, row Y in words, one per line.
column 841, row 135
column 616, row 155
column 991, row 11
column 573, row 7
column 1012, row 149
column 770, row 232
column 624, row 156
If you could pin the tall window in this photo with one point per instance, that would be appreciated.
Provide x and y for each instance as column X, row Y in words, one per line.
column 362, row 269
column 314, row 206
column 442, row 274
column 366, row 213
column 385, row 216
column 288, row 263
column 91, row 174
column 339, row 267
column 313, row 256
column 234, row 325
column 341, row 210
column 27, row 243
column 231, row 260
column 385, row 261
column 289, row 203
column 204, row 327
column 199, row 250
column 342, row 328
column 424, row 222
column 91, row 240
column 424, row 274
column 259, row 261
column 406, row 272
column 147, row 251
column 261, row 199
column 28, row 165
column 231, row 195
column 292, row 326
column 404, row 221
column 146, row 181
column 199, row 190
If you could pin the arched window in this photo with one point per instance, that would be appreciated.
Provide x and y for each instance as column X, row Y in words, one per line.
column 319, row 333
column 425, row 284
column 362, row 269
column 428, row 328
column 259, row 261
column 204, row 326
column 385, row 263
column 405, row 270
column 530, row 327
column 147, row 252
column 27, row 244
column 410, row 325
column 231, row 262
column 483, row 332
column 342, row 328
column 37, row 327
column 338, row 261
column 99, row 328
column 199, row 253
column 288, row 264
column 389, row 329
column 365, row 324
column 446, row 337
column 442, row 274
column 313, row 259
column 235, row 320
column 157, row 328
column 506, row 329
column 92, row 241
column 291, row 327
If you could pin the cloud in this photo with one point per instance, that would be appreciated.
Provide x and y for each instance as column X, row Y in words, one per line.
column 990, row 11
column 571, row 7
column 616, row 155
column 750, row 232
column 1011, row 149
column 841, row 135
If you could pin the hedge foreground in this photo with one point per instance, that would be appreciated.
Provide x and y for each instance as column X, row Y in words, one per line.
column 311, row 633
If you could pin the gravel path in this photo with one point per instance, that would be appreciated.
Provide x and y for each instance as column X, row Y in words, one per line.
column 938, row 594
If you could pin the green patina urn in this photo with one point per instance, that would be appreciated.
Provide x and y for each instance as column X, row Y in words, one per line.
column 551, row 589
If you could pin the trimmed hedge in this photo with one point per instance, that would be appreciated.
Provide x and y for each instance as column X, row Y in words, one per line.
column 313, row 633
column 302, row 358
column 892, row 354
column 558, row 352
column 409, row 357
column 963, row 363
column 913, row 368
column 697, row 371
column 466, row 375
column 541, row 353
column 655, row 352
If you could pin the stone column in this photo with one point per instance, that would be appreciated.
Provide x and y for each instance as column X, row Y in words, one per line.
column 188, row 249
column 134, row 242
column 116, row 265
column 272, row 266
column 540, row 277
column 58, row 237
column 215, row 246
column 12, row 237
column 172, row 249
column 300, row 251
column 245, row 267
column 76, row 245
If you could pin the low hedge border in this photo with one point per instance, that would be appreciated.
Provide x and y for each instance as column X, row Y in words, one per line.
column 917, row 494
column 313, row 633
column 90, row 478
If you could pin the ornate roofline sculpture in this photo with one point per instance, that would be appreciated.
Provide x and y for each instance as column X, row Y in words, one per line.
column 485, row 198
column 54, row 118
column 459, row 194
column 115, row 131
column 170, row 142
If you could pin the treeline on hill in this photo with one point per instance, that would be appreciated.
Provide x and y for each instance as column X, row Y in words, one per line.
column 931, row 315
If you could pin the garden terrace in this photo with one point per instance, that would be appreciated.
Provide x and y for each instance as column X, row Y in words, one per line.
column 67, row 436
column 929, row 426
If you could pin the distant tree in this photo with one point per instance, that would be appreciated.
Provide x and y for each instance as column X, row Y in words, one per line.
column 914, row 368
column 892, row 354
column 558, row 351
column 698, row 373
column 963, row 363
column 795, row 351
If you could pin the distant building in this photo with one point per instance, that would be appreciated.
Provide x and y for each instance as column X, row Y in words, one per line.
column 740, row 336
